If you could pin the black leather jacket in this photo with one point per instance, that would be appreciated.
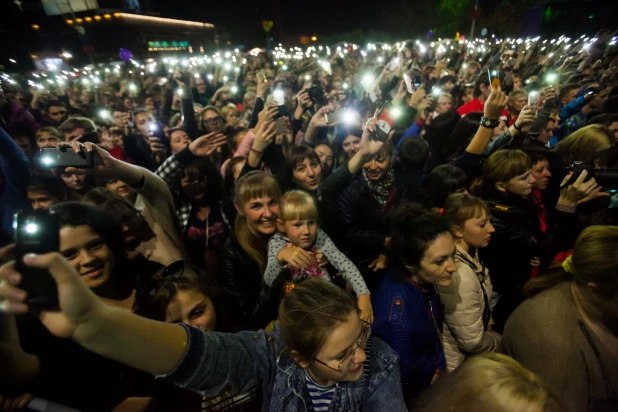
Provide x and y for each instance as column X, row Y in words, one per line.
column 245, row 302
column 518, row 238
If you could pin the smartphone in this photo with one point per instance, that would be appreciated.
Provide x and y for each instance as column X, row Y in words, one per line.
column 317, row 94
column 395, row 63
column 334, row 116
column 282, row 111
column 385, row 122
column 65, row 157
column 417, row 81
column 184, row 76
column 408, row 82
column 37, row 231
column 279, row 97
column 533, row 98
column 343, row 116
column 281, row 126
column 131, row 121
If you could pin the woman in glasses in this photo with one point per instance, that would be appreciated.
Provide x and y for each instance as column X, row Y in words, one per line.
column 211, row 120
column 406, row 303
column 320, row 355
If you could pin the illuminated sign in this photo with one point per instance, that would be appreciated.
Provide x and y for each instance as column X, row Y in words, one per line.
column 165, row 44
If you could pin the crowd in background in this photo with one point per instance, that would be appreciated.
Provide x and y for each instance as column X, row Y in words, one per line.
column 391, row 228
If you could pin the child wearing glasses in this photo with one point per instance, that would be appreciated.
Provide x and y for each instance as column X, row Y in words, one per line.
column 299, row 242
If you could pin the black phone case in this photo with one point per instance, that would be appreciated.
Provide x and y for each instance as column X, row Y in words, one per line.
column 38, row 283
column 66, row 157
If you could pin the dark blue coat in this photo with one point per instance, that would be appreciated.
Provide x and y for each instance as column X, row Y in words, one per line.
column 404, row 319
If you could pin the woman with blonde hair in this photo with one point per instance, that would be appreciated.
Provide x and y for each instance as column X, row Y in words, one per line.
column 247, row 304
column 467, row 315
column 523, row 239
column 567, row 332
column 490, row 382
column 230, row 114
column 590, row 144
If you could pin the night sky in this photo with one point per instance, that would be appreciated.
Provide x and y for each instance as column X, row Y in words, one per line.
column 292, row 17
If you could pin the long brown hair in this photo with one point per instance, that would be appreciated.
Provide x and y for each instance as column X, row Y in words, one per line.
column 460, row 207
column 500, row 167
column 594, row 260
column 253, row 185
column 586, row 144
column 310, row 312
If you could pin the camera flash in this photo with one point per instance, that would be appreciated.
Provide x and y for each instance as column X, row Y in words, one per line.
column 278, row 97
column 395, row 112
column 234, row 89
column 46, row 160
column 31, row 228
column 349, row 116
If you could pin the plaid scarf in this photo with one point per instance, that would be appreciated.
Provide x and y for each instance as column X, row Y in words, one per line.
column 380, row 189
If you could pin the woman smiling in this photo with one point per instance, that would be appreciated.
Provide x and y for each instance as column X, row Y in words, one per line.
column 246, row 303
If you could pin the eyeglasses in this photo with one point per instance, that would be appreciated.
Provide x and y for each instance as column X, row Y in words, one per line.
column 348, row 357
column 213, row 120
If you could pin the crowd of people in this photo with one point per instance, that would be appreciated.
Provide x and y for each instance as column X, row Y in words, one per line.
column 397, row 228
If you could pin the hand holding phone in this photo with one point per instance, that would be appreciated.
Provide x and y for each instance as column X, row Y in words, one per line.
column 408, row 82
column 281, row 125
column 385, row 123
column 533, row 98
column 279, row 97
column 65, row 156
column 37, row 231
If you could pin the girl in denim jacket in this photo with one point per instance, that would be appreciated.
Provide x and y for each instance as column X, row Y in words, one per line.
column 319, row 357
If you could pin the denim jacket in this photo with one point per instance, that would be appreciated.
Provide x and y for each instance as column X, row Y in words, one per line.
column 217, row 362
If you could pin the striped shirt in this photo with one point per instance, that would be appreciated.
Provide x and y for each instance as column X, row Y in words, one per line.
column 321, row 396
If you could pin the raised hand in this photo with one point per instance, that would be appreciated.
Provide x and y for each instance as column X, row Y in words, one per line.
column 77, row 302
column 368, row 146
column 525, row 119
column 418, row 96
column 262, row 88
column 319, row 119
column 156, row 146
column 264, row 136
column 495, row 104
column 304, row 100
column 206, row 145
column 266, row 115
column 104, row 163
